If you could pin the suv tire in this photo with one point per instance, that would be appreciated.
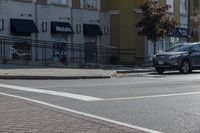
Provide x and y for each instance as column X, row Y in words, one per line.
column 185, row 67
column 160, row 70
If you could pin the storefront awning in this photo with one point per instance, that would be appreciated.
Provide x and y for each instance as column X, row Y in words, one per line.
column 22, row 26
column 61, row 27
column 183, row 31
column 179, row 32
column 92, row 29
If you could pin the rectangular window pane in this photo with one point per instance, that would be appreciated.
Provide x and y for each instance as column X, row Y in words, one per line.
column 171, row 4
column 184, row 7
column 92, row 4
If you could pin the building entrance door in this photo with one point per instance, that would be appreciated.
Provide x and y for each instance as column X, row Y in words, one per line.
column 90, row 52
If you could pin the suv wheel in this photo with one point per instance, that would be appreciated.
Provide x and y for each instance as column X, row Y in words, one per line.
column 160, row 70
column 185, row 67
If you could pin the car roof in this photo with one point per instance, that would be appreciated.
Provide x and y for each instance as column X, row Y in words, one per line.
column 190, row 43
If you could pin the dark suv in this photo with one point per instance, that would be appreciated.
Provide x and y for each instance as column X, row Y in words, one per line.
column 184, row 57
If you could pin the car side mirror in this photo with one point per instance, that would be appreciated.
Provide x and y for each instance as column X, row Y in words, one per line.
column 192, row 51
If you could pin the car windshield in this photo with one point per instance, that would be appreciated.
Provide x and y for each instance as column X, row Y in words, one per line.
column 179, row 48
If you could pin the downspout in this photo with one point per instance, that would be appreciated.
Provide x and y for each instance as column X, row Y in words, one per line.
column 189, row 11
column 36, row 35
column 71, row 17
column 72, row 35
column 36, row 19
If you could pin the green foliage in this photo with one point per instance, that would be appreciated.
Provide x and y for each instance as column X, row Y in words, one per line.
column 156, row 23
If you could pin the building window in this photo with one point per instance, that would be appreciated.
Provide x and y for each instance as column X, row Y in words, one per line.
column 78, row 28
column 1, row 24
column 106, row 30
column 44, row 26
column 171, row 4
column 184, row 7
column 60, row 2
column 90, row 4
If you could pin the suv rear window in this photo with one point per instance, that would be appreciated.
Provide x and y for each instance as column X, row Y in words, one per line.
column 179, row 48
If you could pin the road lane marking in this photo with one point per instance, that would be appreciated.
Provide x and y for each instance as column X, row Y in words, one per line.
column 152, row 96
column 108, row 84
column 85, row 114
column 88, row 85
column 55, row 93
column 92, row 85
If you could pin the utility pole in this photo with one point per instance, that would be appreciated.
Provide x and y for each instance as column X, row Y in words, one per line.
column 189, row 15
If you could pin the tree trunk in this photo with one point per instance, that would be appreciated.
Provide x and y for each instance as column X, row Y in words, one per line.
column 154, row 48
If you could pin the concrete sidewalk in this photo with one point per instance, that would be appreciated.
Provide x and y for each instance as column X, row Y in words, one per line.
column 19, row 116
column 45, row 72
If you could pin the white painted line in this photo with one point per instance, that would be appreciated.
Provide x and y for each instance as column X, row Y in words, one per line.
column 110, row 84
column 152, row 96
column 82, row 113
column 55, row 93
column 88, row 85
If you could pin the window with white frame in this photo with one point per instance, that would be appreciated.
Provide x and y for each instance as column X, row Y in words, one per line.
column 171, row 6
column 44, row 26
column 60, row 2
column 184, row 7
column 90, row 4
column 106, row 30
column 78, row 28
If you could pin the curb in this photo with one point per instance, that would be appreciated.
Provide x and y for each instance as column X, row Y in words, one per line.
column 51, row 77
column 112, row 75
column 134, row 71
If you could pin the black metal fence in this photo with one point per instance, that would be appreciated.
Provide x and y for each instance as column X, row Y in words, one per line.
column 12, row 48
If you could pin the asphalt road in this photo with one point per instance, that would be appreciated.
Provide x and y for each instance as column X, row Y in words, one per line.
column 167, row 103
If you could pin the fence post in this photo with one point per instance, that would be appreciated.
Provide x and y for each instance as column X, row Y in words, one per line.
column 45, row 53
column 1, row 47
column 4, row 51
column 36, row 50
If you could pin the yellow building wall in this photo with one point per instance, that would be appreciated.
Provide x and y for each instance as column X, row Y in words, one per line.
column 136, row 46
column 110, row 4
column 132, row 45
column 177, row 9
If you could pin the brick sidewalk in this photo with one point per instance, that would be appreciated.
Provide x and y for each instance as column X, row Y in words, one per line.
column 19, row 116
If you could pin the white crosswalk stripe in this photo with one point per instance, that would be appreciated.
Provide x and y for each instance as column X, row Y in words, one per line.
column 55, row 93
